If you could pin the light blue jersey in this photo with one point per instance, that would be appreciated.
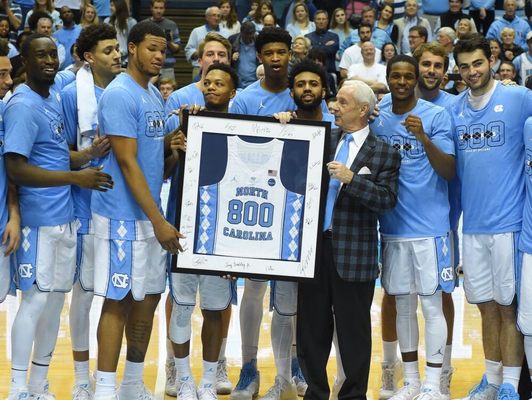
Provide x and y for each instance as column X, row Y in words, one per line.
column 423, row 206
column 190, row 95
column 255, row 100
column 490, row 156
column 3, row 175
column 35, row 129
column 81, row 197
column 127, row 109
column 525, row 240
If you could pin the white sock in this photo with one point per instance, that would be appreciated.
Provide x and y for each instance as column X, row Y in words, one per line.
column 38, row 376
column 432, row 377
column 251, row 310
column 411, row 371
column 169, row 351
column 105, row 384
column 209, row 373
column 281, row 334
column 511, row 375
column 493, row 372
column 18, row 379
column 182, row 366
column 389, row 352
column 81, row 372
column 446, row 366
column 133, row 373
column 221, row 356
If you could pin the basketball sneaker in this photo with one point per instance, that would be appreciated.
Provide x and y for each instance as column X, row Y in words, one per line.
column 298, row 378
column 248, row 384
column 170, row 385
column 483, row 391
column 391, row 375
column 445, row 383
column 21, row 394
column 281, row 390
column 223, row 384
column 428, row 393
column 44, row 394
column 186, row 389
column 407, row 392
column 135, row 392
column 207, row 393
column 507, row 392
column 82, row 392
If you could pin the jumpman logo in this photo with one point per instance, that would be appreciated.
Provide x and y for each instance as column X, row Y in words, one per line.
column 438, row 352
column 261, row 105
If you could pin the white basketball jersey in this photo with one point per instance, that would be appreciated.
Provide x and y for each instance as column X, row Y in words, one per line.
column 249, row 213
column 526, row 68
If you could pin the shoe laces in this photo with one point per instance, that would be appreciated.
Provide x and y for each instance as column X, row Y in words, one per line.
column 483, row 385
column 248, row 373
column 387, row 378
column 170, row 373
column 405, row 391
column 209, row 391
column 445, row 381
column 275, row 390
column 84, row 388
column 186, row 388
column 221, row 371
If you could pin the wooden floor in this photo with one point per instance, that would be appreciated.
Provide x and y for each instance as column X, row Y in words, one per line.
column 467, row 352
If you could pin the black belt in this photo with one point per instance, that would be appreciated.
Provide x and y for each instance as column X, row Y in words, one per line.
column 328, row 234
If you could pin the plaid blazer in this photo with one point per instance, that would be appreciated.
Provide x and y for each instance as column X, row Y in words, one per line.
column 354, row 236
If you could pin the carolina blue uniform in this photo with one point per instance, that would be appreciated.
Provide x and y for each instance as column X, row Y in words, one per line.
column 127, row 109
column 423, row 208
column 3, row 176
column 525, row 243
column 490, row 155
column 190, row 95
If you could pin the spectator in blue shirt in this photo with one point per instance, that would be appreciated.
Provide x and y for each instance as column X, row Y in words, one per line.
column 324, row 39
column 68, row 34
column 244, row 58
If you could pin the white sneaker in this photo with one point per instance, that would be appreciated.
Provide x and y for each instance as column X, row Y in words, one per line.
column 281, row 390
column 428, row 393
column 170, row 386
column 21, row 394
column 207, row 393
column 82, row 392
column 135, row 392
column 44, row 395
column 391, row 375
column 407, row 392
column 186, row 389
column 248, row 384
column 223, row 384
column 445, row 383
column 337, row 386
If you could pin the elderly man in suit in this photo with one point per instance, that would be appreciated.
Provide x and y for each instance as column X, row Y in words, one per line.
column 363, row 183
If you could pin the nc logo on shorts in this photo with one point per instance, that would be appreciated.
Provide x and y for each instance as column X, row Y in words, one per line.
column 120, row 280
column 447, row 274
column 25, row 270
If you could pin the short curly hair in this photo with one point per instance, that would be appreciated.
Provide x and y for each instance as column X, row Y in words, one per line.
column 91, row 35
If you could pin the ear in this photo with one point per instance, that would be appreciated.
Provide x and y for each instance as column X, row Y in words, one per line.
column 260, row 58
column 233, row 93
column 88, row 56
column 132, row 48
column 323, row 93
column 292, row 93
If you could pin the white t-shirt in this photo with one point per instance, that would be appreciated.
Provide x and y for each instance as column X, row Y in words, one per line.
column 377, row 72
column 352, row 55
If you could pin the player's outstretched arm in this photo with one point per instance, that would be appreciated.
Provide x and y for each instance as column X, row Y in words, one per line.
column 22, row 173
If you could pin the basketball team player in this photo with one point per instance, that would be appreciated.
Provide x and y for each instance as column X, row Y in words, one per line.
column 131, row 241
column 38, row 162
column 489, row 120
column 219, row 83
column 213, row 49
column 98, row 47
column 266, row 97
column 415, row 234
column 9, row 211
column 432, row 62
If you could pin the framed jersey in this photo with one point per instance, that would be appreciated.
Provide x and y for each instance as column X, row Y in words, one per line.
column 252, row 199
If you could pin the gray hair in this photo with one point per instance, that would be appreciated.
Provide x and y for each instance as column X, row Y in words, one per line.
column 362, row 93
column 209, row 9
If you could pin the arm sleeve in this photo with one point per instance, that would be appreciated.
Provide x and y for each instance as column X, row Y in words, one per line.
column 441, row 132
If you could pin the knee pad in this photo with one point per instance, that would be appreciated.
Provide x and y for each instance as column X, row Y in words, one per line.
column 180, row 323
column 407, row 326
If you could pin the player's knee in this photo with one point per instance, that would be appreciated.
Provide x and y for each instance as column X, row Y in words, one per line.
column 180, row 323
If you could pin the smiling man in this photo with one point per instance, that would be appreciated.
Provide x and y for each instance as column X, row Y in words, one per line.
column 489, row 121
column 415, row 237
column 131, row 241
column 38, row 162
